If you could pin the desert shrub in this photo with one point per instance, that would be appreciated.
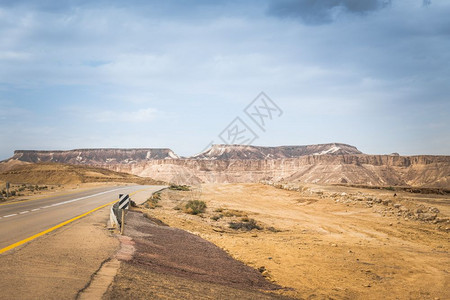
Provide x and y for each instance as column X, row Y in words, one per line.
column 390, row 188
column 247, row 225
column 152, row 202
column 273, row 229
column 194, row 207
column 175, row 187
column 234, row 213
column 217, row 217
column 13, row 193
column 220, row 209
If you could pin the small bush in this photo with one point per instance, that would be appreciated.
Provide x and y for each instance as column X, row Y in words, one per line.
column 245, row 225
column 195, row 207
column 217, row 217
column 234, row 213
column 220, row 209
column 273, row 229
column 152, row 202
column 175, row 187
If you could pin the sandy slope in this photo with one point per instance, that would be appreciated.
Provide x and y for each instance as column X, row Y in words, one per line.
column 56, row 173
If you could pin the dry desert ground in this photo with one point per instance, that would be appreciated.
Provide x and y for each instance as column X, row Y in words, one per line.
column 325, row 241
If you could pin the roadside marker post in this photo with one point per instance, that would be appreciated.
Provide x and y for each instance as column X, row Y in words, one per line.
column 7, row 190
column 124, row 203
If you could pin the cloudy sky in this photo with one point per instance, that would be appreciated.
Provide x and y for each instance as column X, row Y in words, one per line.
column 90, row 74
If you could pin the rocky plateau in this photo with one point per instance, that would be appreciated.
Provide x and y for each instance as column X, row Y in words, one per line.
column 333, row 163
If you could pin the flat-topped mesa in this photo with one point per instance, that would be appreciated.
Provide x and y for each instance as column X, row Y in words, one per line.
column 226, row 152
column 95, row 156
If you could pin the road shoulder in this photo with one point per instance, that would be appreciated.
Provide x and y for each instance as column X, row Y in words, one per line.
column 173, row 263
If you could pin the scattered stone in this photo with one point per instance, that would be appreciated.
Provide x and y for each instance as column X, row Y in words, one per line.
column 427, row 216
column 403, row 208
column 434, row 210
column 333, row 245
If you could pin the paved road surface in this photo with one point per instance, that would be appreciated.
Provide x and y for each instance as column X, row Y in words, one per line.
column 21, row 220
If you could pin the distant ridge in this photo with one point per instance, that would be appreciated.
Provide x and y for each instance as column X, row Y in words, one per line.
column 225, row 152
column 94, row 156
column 333, row 163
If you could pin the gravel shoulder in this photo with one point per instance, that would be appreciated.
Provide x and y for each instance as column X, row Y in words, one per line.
column 170, row 263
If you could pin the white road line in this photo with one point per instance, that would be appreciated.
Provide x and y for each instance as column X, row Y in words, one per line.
column 65, row 202
column 10, row 216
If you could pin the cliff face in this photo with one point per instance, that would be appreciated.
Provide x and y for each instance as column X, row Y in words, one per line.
column 322, row 164
column 94, row 156
column 376, row 170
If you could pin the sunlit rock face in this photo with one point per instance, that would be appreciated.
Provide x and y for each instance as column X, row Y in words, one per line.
column 322, row 164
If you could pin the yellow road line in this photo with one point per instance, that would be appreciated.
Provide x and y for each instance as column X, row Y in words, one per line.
column 10, row 247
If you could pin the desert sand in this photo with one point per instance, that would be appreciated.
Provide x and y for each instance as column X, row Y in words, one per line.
column 326, row 242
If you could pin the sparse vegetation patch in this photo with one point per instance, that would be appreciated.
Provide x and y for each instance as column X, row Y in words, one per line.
column 245, row 224
column 217, row 217
column 152, row 202
column 194, row 207
column 175, row 187
column 234, row 213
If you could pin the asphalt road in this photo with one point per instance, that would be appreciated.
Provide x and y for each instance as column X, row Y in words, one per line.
column 21, row 220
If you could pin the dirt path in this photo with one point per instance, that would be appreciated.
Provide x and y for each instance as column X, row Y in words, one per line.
column 172, row 263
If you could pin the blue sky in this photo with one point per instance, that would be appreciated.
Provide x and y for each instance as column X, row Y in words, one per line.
column 90, row 74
